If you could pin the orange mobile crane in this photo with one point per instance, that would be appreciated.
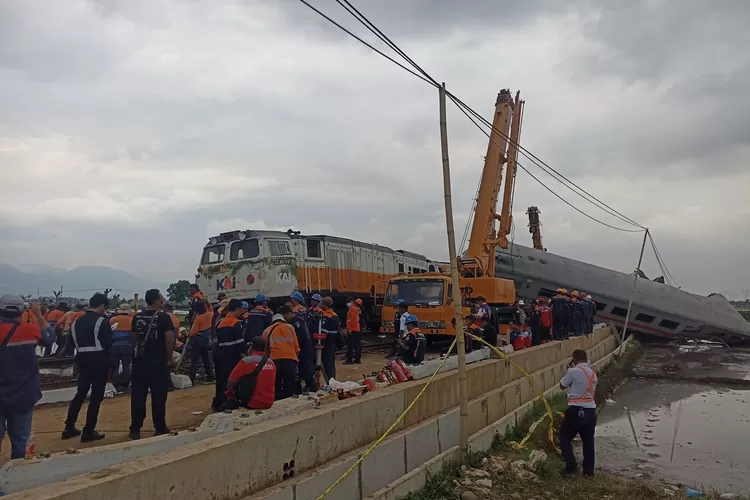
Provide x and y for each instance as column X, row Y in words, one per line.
column 429, row 296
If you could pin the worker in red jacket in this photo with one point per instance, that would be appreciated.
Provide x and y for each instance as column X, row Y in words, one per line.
column 252, row 383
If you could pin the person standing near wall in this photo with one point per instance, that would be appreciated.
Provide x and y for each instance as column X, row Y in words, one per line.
column 154, row 344
column 92, row 336
column 121, row 351
column 282, row 347
column 230, row 348
column 20, row 388
column 580, row 418
column 354, row 339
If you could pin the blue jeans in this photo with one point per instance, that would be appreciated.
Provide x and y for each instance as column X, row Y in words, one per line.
column 18, row 426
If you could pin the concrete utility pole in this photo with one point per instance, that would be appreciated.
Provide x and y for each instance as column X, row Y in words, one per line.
column 462, row 391
column 632, row 292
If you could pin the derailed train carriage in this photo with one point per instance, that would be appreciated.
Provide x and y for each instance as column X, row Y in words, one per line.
column 244, row 263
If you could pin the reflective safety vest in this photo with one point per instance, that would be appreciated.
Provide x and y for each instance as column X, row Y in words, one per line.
column 229, row 332
column 588, row 395
column 86, row 333
column 281, row 341
column 352, row 319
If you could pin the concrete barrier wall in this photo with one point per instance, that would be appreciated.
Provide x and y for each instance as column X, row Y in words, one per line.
column 404, row 461
column 240, row 463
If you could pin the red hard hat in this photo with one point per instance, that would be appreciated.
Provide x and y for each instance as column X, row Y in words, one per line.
column 358, row 302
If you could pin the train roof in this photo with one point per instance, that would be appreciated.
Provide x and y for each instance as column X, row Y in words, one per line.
column 254, row 233
column 606, row 283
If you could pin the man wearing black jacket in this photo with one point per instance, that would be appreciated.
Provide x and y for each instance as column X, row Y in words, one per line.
column 92, row 337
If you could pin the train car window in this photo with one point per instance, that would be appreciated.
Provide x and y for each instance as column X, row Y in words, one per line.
column 247, row 249
column 645, row 318
column 619, row 311
column 279, row 248
column 401, row 267
column 213, row 255
column 668, row 323
column 600, row 306
column 432, row 268
column 313, row 249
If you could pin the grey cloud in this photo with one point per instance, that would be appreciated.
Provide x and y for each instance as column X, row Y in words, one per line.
column 347, row 140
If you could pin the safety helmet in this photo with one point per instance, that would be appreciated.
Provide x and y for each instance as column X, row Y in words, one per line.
column 297, row 296
column 399, row 302
column 575, row 293
column 358, row 302
column 564, row 291
column 588, row 297
column 559, row 290
column 277, row 317
column 245, row 305
column 411, row 319
column 316, row 297
column 260, row 298
column 521, row 303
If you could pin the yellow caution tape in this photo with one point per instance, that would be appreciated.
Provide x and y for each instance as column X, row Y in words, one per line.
column 393, row 426
column 549, row 412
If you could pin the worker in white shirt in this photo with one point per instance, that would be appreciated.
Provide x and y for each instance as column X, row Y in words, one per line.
column 580, row 418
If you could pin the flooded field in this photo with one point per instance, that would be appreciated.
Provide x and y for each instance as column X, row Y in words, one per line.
column 685, row 431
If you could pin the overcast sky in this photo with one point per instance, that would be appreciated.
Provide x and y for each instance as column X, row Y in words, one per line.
column 132, row 130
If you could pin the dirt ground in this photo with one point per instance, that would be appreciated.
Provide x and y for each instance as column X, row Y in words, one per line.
column 114, row 415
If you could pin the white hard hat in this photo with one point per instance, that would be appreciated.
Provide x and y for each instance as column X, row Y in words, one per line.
column 588, row 297
column 277, row 317
column 520, row 302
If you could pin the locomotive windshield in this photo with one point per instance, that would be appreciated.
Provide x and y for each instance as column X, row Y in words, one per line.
column 213, row 254
column 415, row 292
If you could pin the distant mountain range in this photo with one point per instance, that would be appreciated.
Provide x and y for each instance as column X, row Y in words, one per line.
column 79, row 282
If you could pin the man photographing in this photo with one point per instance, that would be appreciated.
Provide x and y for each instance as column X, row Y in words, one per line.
column 580, row 417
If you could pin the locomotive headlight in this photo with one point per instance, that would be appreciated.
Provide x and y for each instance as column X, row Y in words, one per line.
column 436, row 324
column 242, row 236
column 213, row 241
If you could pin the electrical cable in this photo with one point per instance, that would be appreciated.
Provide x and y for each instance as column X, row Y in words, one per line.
column 362, row 19
column 547, row 187
column 365, row 43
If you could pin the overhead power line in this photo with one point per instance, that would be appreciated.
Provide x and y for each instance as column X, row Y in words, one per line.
column 427, row 78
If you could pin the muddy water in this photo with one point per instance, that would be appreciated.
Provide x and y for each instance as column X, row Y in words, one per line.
column 686, row 432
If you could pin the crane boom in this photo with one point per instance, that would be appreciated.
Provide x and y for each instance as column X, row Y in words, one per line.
column 535, row 227
column 482, row 257
column 506, row 214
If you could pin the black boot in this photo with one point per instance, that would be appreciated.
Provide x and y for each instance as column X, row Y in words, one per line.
column 70, row 433
column 88, row 437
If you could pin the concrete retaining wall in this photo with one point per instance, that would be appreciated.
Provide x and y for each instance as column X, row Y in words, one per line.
column 321, row 443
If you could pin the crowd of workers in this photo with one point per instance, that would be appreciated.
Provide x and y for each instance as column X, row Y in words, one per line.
column 258, row 356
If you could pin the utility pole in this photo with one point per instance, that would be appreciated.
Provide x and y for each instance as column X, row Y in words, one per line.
column 462, row 391
column 632, row 292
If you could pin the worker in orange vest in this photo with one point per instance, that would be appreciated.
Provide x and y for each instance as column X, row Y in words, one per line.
column 122, row 346
column 200, row 339
column 53, row 317
column 20, row 389
column 229, row 349
column 354, row 339
column 282, row 347
column 67, row 322
column 580, row 418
